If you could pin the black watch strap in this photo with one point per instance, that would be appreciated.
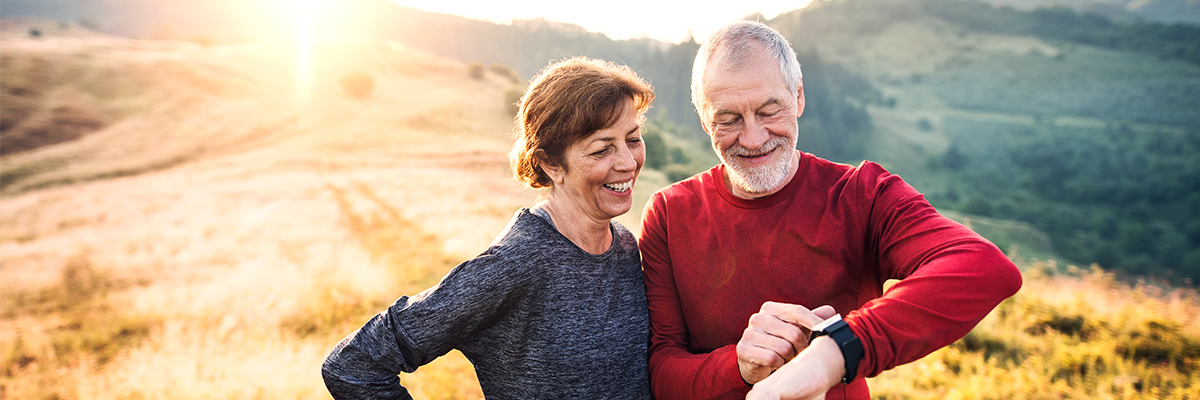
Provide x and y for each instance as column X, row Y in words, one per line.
column 839, row 331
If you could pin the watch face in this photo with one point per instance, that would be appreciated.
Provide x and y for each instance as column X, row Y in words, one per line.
column 821, row 327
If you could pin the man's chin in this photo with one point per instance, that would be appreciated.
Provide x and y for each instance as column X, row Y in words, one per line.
column 756, row 181
column 763, row 179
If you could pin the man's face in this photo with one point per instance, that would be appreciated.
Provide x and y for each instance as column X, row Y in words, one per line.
column 750, row 113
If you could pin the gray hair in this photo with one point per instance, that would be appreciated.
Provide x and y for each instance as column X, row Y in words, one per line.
column 733, row 44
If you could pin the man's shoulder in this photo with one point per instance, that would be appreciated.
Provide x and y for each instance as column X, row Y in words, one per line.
column 691, row 188
column 866, row 172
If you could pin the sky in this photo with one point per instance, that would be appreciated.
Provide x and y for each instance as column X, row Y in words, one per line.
column 619, row 19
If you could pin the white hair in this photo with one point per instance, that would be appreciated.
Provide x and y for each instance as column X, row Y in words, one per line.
column 733, row 44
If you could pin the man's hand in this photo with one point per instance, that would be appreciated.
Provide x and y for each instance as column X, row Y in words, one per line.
column 775, row 335
column 817, row 368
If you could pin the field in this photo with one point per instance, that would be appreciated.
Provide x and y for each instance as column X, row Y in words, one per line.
column 212, row 234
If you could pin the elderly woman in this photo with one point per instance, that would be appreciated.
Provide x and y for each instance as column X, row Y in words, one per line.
column 556, row 307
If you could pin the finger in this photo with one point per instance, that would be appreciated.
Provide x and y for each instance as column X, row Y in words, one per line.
column 765, row 349
column 794, row 337
column 793, row 313
column 824, row 312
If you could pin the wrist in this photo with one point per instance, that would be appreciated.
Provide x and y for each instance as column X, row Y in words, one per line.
column 824, row 351
column 846, row 342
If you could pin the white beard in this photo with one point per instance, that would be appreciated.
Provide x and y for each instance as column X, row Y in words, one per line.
column 761, row 179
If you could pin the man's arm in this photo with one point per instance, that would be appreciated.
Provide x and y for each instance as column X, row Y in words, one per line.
column 950, row 279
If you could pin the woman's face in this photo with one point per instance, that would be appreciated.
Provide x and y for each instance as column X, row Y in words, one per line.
column 602, row 168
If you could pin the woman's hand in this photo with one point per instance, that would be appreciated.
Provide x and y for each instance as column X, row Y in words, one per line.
column 807, row 377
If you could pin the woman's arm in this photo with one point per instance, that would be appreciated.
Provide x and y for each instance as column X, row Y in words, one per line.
column 416, row 330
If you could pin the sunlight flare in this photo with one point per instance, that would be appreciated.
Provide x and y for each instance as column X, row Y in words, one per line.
column 304, row 49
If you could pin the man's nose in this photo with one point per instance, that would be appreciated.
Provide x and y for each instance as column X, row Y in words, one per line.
column 754, row 135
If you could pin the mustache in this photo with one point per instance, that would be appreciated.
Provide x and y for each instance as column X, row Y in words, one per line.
column 767, row 147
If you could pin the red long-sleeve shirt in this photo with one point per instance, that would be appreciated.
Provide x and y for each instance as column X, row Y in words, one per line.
column 832, row 236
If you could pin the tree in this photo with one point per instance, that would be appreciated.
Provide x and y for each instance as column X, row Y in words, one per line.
column 656, row 150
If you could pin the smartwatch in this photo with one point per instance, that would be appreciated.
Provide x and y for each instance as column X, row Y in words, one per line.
column 839, row 331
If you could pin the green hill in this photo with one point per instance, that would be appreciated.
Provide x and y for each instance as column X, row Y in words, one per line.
column 1033, row 116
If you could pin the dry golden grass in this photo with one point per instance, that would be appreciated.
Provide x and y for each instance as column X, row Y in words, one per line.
column 221, row 237
column 1078, row 335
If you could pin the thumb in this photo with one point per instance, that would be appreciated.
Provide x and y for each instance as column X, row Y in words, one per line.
column 825, row 312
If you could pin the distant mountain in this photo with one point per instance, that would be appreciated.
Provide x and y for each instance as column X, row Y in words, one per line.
column 1169, row 11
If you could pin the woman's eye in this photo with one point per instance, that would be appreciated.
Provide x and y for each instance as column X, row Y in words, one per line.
column 601, row 152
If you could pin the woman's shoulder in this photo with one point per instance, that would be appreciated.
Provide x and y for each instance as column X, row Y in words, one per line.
column 623, row 237
column 526, row 237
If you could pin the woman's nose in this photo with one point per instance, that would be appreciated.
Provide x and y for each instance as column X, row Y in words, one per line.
column 625, row 160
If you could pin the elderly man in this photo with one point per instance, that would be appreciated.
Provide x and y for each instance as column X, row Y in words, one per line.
column 748, row 260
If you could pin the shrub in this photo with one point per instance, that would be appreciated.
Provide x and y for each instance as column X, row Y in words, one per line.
column 953, row 158
column 475, row 70
column 678, row 156
column 512, row 97
column 676, row 172
column 924, row 125
column 505, row 71
column 656, row 150
column 358, row 84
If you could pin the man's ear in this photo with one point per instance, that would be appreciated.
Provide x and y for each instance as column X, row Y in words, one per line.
column 554, row 171
column 703, row 122
column 800, row 99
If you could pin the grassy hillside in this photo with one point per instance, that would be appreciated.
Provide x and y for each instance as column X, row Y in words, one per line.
column 218, row 236
column 1031, row 117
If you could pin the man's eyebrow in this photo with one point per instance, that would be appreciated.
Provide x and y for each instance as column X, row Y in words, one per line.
column 770, row 101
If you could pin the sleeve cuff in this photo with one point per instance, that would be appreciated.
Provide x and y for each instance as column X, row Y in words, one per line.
column 732, row 377
column 864, row 370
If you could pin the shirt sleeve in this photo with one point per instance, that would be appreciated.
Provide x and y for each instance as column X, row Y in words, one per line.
column 675, row 372
column 416, row 330
column 950, row 277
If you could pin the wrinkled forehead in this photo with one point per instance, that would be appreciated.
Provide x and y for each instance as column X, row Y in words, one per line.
column 746, row 74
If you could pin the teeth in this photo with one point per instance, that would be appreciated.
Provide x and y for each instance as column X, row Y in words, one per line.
column 620, row 187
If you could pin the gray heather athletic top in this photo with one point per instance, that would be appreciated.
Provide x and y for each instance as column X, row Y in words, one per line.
column 539, row 318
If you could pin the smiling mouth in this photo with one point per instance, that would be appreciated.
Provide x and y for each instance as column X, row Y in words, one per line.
column 620, row 187
column 754, row 156
column 745, row 153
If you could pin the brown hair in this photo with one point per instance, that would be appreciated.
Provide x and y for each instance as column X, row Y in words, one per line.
column 567, row 102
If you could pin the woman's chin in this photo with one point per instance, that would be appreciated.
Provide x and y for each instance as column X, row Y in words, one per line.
column 617, row 209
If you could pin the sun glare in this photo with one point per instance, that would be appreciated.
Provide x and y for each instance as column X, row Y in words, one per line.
column 304, row 49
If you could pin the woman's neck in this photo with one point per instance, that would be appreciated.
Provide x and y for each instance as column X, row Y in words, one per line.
column 588, row 232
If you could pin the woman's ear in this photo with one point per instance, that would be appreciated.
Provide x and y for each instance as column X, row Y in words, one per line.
column 554, row 171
